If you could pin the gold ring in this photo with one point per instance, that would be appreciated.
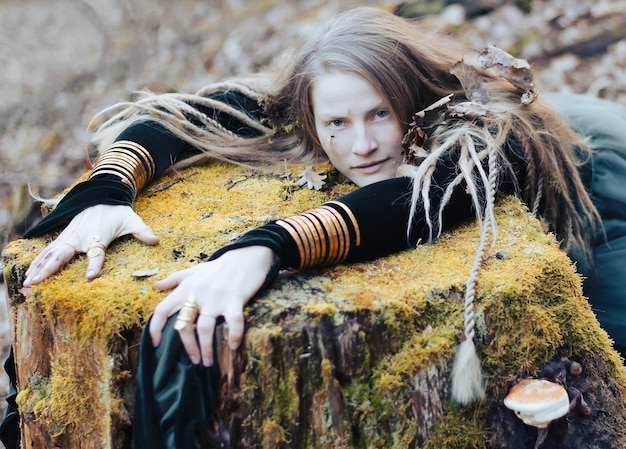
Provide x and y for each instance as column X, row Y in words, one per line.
column 187, row 314
column 95, row 249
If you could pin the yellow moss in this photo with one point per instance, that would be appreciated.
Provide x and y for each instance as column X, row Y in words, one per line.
column 273, row 435
column 528, row 305
column 34, row 396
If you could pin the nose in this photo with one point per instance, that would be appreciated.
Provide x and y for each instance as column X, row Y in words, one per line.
column 364, row 141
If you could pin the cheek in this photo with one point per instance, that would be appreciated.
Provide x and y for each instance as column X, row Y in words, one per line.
column 338, row 151
column 332, row 146
column 394, row 140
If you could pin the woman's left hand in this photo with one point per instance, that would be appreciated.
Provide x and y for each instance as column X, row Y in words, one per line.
column 221, row 287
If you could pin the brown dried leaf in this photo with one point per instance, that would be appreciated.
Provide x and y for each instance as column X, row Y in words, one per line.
column 472, row 82
column 415, row 141
column 515, row 71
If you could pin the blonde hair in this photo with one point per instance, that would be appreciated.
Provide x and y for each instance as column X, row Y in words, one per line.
column 413, row 69
column 410, row 67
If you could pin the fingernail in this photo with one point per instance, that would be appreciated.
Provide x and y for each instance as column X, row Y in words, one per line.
column 36, row 279
column 195, row 359
column 207, row 361
column 90, row 273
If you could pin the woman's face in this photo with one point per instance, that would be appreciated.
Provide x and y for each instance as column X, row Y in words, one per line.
column 357, row 128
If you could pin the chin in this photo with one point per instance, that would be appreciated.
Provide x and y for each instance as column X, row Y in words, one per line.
column 367, row 180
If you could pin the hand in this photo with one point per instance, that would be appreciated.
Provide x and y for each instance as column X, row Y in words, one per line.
column 91, row 231
column 221, row 287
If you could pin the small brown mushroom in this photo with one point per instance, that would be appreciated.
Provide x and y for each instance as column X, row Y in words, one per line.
column 537, row 402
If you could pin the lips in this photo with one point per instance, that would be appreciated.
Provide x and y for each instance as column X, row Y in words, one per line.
column 370, row 167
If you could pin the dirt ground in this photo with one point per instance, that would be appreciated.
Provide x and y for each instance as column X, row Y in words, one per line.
column 63, row 61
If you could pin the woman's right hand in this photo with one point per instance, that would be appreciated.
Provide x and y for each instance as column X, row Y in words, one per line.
column 91, row 232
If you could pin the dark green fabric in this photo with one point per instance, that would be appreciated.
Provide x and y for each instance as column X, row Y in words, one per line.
column 604, row 123
column 175, row 399
column 10, row 427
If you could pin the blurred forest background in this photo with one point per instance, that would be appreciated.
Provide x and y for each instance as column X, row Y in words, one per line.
column 64, row 60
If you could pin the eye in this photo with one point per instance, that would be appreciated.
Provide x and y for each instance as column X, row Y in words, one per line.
column 382, row 113
column 337, row 123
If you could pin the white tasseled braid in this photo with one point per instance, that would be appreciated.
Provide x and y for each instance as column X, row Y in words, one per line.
column 467, row 379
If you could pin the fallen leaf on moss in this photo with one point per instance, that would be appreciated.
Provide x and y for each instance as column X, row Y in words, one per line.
column 311, row 178
column 145, row 273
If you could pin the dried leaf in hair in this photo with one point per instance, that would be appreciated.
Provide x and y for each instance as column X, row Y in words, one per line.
column 515, row 71
column 311, row 178
column 427, row 114
column 415, row 141
column 472, row 82
column 494, row 56
column 468, row 109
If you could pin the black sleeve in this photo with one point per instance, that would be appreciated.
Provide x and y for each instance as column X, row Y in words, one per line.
column 376, row 217
column 165, row 149
column 372, row 221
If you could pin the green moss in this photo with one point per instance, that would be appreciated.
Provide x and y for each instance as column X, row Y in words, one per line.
column 461, row 429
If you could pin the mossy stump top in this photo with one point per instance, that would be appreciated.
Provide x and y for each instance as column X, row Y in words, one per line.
column 354, row 356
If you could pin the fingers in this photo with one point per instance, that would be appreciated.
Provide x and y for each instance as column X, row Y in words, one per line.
column 90, row 231
column 222, row 288
column 49, row 262
column 198, row 339
column 236, row 323
column 171, row 281
column 95, row 256
column 206, row 330
column 188, row 338
column 141, row 231
column 161, row 313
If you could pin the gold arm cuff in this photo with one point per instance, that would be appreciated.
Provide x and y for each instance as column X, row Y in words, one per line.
column 143, row 153
column 135, row 164
column 355, row 224
column 314, row 238
column 117, row 173
column 322, row 236
column 343, row 233
column 326, row 229
column 296, row 236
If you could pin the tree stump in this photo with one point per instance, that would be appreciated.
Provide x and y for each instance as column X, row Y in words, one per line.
column 354, row 356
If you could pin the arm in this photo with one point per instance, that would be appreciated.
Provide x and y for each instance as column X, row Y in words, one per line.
column 150, row 145
column 99, row 210
column 367, row 223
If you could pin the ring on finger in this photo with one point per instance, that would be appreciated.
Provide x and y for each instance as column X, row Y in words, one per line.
column 95, row 249
column 188, row 314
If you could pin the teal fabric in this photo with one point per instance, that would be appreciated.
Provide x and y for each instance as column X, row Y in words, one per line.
column 604, row 123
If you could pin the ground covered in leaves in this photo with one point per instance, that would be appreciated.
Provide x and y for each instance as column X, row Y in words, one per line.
column 65, row 61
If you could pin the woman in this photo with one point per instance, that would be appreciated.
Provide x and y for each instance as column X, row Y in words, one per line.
column 350, row 95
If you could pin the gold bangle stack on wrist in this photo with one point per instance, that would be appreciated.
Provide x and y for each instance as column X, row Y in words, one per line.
column 128, row 160
column 324, row 235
